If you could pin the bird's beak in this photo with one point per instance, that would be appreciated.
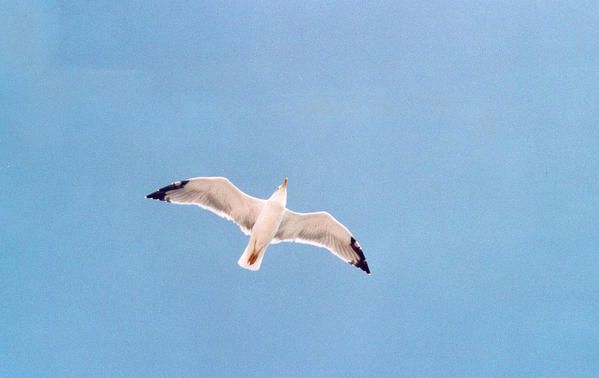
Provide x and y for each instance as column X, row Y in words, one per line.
column 284, row 186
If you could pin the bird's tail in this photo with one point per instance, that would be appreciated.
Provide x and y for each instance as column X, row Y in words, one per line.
column 252, row 256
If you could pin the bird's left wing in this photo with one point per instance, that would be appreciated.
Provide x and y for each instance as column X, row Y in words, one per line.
column 323, row 230
column 216, row 194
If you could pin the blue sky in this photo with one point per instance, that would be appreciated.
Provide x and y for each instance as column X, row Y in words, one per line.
column 459, row 143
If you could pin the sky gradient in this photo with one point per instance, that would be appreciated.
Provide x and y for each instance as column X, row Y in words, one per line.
column 458, row 142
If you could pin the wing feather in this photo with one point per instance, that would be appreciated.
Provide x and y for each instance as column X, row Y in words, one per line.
column 322, row 230
column 216, row 194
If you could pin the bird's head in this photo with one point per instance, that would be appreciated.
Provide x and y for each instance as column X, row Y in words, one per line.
column 283, row 186
column 280, row 194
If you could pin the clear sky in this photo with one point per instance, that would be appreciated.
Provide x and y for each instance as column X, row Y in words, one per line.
column 458, row 141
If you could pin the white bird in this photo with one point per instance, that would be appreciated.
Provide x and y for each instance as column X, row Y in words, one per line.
column 265, row 221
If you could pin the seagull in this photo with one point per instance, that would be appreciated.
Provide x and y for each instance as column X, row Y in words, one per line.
column 265, row 221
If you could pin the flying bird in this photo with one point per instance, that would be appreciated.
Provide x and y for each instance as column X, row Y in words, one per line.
column 265, row 221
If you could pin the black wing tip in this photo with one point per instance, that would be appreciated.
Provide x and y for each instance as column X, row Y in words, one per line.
column 364, row 266
column 157, row 195
column 361, row 263
column 161, row 193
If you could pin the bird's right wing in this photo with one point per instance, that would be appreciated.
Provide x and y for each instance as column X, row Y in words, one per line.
column 322, row 230
column 216, row 194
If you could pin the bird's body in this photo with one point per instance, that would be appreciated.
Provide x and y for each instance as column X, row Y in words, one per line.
column 266, row 221
column 264, row 230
